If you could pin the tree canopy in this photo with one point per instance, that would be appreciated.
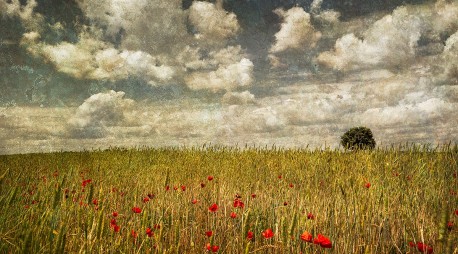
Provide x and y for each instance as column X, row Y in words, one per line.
column 358, row 138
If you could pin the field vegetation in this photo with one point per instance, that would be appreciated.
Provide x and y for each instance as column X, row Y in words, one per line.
column 228, row 200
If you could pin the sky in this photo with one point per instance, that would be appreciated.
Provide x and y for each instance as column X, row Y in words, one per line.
column 82, row 75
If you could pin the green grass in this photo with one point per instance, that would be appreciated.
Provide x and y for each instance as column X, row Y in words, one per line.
column 412, row 197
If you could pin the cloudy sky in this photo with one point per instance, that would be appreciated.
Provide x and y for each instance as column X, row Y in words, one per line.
column 81, row 74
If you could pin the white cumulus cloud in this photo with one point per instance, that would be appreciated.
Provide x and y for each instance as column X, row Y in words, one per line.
column 148, row 26
column 324, row 16
column 421, row 113
column 389, row 42
column 193, row 58
column 239, row 119
column 238, row 98
column 296, row 31
column 115, row 64
column 396, row 40
column 212, row 23
column 31, row 20
column 226, row 77
column 14, row 8
column 98, row 112
column 91, row 58
column 149, row 40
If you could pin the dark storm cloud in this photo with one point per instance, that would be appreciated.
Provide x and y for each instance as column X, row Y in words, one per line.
column 65, row 12
column 354, row 8
column 11, row 30
column 261, row 10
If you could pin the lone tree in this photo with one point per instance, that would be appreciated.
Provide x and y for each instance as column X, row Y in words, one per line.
column 358, row 138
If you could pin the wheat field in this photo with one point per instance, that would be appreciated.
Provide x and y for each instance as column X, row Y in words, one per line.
column 230, row 200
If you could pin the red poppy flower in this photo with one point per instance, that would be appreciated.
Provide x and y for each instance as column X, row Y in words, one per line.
column 150, row 196
column 307, row 237
column 233, row 215
column 450, row 225
column 194, row 201
column 412, row 244
column 115, row 214
column 279, row 176
column 291, row 185
column 268, row 233
column 175, row 187
column 215, row 248
column 253, row 195
column 202, row 185
column 367, row 185
column 145, row 199
column 113, row 222
column 238, row 203
column 149, row 232
column 133, row 233
column 310, row 216
column 208, row 246
column 249, row 235
column 116, row 228
column 285, row 203
column 213, row 208
column 95, row 202
column 86, row 182
column 183, row 188
column 209, row 233
column 423, row 248
column 167, row 188
column 210, row 178
column 136, row 209
column 456, row 212
column 323, row 241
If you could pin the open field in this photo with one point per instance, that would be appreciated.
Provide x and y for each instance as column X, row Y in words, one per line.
column 162, row 201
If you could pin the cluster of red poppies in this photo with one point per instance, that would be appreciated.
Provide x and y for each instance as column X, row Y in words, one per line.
column 114, row 224
column 421, row 247
column 212, row 248
column 213, row 208
column 86, row 182
column 238, row 203
column 320, row 239
column 268, row 233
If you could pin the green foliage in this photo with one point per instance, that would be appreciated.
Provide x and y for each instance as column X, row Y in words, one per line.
column 358, row 138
